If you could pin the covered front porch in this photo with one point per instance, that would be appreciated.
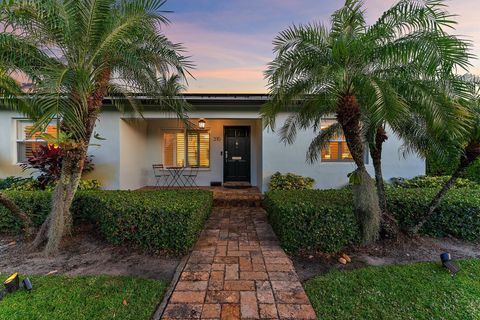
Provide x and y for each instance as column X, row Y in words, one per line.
column 225, row 150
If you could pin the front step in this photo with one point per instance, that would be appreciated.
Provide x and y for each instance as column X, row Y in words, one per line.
column 238, row 202
column 237, row 185
column 250, row 197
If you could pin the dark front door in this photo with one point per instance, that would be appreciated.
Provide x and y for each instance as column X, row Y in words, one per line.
column 236, row 154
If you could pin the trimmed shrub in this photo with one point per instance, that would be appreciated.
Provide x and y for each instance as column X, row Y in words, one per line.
column 31, row 184
column 289, row 181
column 312, row 219
column 324, row 219
column 35, row 204
column 458, row 214
column 443, row 168
column 153, row 220
column 431, row 182
column 9, row 182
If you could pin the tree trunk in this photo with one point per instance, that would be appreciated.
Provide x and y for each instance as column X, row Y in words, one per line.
column 390, row 225
column 376, row 154
column 61, row 218
column 471, row 154
column 364, row 192
column 366, row 207
column 10, row 205
column 59, row 222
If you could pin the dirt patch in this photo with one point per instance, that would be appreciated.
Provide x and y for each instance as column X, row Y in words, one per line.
column 86, row 254
column 408, row 250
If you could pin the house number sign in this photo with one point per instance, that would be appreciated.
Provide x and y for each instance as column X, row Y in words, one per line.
column 217, row 139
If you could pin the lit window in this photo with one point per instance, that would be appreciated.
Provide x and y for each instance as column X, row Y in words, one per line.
column 194, row 146
column 336, row 149
column 28, row 141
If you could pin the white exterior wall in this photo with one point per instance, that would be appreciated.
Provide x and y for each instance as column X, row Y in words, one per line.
column 124, row 159
column 8, row 147
column 154, row 154
column 292, row 158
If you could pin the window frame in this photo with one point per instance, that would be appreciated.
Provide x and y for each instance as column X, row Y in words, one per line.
column 341, row 144
column 185, row 134
column 18, row 141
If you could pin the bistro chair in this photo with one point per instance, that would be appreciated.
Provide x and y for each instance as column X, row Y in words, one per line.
column 190, row 176
column 161, row 175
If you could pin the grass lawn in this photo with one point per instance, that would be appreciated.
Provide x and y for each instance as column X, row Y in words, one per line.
column 99, row 297
column 415, row 291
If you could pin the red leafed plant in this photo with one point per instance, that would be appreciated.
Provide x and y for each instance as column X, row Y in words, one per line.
column 47, row 160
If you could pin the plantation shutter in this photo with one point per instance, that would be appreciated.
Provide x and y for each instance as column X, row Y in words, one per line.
column 204, row 149
column 180, row 149
column 168, row 149
column 174, row 149
column 337, row 149
column 28, row 141
column 192, row 148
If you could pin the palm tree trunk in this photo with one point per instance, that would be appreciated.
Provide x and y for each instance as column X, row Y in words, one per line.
column 364, row 192
column 472, row 153
column 10, row 205
column 59, row 222
column 390, row 225
column 376, row 154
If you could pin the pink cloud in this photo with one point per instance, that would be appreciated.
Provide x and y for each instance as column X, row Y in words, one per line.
column 236, row 74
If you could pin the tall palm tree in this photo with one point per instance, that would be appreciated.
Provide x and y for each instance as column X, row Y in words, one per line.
column 354, row 71
column 77, row 52
column 468, row 152
column 431, row 118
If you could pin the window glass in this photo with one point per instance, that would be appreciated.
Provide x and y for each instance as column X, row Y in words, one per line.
column 205, row 149
column 28, row 141
column 194, row 146
column 336, row 149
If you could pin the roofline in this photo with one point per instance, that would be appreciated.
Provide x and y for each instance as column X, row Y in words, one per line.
column 208, row 98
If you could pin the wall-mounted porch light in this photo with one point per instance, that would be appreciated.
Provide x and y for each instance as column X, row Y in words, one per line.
column 201, row 124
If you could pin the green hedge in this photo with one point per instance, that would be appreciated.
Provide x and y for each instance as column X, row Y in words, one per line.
column 312, row 219
column 153, row 220
column 431, row 182
column 324, row 219
column 436, row 167
column 289, row 181
column 458, row 214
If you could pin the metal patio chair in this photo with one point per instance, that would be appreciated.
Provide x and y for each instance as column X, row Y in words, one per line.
column 161, row 175
column 190, row 176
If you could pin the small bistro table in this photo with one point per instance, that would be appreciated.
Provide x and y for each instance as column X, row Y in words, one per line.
column 176, row 173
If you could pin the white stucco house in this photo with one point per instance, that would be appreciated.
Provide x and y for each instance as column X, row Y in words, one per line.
column 226, row 139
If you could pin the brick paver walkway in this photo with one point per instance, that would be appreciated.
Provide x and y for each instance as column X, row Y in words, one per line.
column 237, row 270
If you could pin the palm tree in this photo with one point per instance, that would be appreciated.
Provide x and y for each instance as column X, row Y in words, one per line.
column 77, row 52
column 468, row 153
column 432, row 117
column 355, row 72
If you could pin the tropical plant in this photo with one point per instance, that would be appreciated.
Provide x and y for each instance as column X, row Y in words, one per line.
column 467, row 155
column 77, row 52
column 367, row 76
column 47, row 161
column 289, row 181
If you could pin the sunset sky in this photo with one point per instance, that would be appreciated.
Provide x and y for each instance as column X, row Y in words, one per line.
column 230, row 40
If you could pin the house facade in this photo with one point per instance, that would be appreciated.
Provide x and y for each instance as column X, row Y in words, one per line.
column 225, row 138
